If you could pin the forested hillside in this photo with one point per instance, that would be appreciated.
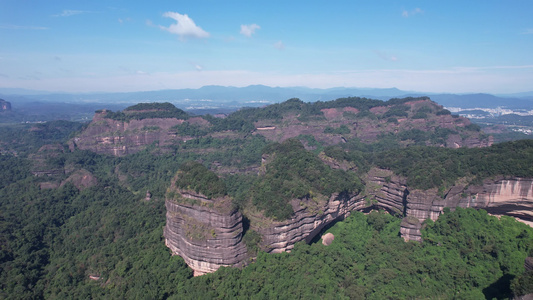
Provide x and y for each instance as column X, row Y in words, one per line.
column 65, row 238
column 394, row 123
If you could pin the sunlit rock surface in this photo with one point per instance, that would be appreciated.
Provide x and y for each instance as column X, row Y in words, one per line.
column 309, row 219
column 498, row 196
column 207, row 233
column 112, row 137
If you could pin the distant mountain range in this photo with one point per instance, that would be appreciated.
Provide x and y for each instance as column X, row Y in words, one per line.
column 258, row 95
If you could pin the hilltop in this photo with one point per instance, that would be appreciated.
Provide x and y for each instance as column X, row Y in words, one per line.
column 396, row 122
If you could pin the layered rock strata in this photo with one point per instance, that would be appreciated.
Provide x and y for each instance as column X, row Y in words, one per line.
column 502, row 196
column 499, row 196
column 369, row 129
column 309, row 219
column 119, row 138
column 410, row 229
column 385, row 190
column 41, row 159
column 528, row 263
column 122, row 136
column 206, row 233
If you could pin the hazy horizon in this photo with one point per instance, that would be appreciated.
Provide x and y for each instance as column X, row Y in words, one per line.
column 428, row 47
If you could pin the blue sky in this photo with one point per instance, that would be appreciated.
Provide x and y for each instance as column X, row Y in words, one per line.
column 115, row 46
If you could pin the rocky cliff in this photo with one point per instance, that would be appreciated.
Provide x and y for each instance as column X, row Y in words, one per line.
column 207, row 233
column 115, row 137
column 408, row 120
column 309, row 219
column 499, row 196
column 48, row 164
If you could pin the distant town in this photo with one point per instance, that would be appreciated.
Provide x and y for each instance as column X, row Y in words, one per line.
column 517, row 120
column 480, row 113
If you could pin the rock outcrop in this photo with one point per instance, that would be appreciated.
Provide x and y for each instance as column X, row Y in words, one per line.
column 4, row 105
column 421, row 115
column 44, row 163
column 206, row 233
column 309, row 219
column 410, row 229
column 385, row 190
column 119, row 138
column 498, row 196
column 327, row 239
column 528, row 264
column 81, row 179
column 134, row 129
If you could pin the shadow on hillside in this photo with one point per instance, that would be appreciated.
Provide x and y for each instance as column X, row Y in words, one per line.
column 500, row 289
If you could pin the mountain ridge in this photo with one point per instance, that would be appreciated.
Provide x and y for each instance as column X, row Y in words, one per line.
column 244, row 96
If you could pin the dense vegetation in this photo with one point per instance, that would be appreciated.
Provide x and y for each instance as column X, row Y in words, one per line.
column 195, row 176
column 55, row 241
column 295, row 173
column 146, row 111
column 22, row 139
column 427, row 167
column 434, row 167
column 105, row 241
column 469, row 255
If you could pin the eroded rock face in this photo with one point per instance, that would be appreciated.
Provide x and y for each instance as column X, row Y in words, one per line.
column 41, row 165
column 112, row 137
column 386, row 190
column 499, row 196
column 369, row 129
column 410, row 229
column 208, row 236
column 206, row 233
column 308, row 220
column 81, row 179
column 528, row 263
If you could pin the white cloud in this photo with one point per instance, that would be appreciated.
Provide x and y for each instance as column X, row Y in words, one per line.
column 69, row 12
column 184, row 26
column 406, row 13
column 248, row 30
column 122, row 21
column 23, row 27
column 279, row 45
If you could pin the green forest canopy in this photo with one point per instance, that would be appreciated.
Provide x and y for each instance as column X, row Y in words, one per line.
column 53, row 240
column 294, row 173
